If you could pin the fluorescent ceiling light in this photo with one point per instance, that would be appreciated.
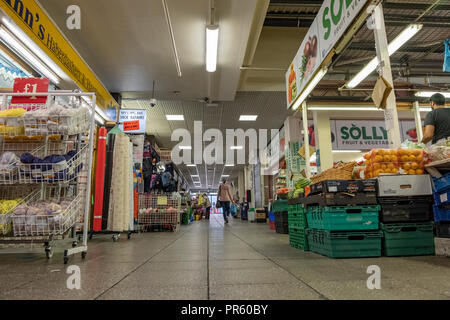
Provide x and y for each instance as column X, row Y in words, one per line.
column 347, row 151
column 399, row 41
column 191, row 165
column 248, row 118
column 236, row 147
column 229, row 165
column 175, row 117
column 425, row 109
column 195, row 176
column 212, row 43
column 312, row 84
column 185, row 147
column 101, row 113
column 225, row 175
column 428, row 94
column 35, row 49
column 344, row 109
column 27, row 55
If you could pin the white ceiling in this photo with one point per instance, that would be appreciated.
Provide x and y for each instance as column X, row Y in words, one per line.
column 269, row 106
column 127, row 44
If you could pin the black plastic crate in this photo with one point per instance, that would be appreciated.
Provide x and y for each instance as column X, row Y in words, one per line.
column 351, row 186
column 282, row 227
column 406, row 209
column 341, row 199
column 281, row 217
column 443, row 229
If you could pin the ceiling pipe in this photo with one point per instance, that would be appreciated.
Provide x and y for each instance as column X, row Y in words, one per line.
column 172, row 38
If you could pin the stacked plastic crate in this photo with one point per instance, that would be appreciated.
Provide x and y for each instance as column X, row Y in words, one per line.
column 442, row 205
column 280, row 209
column 297, row 224
column 406, row 212
column 343, row 218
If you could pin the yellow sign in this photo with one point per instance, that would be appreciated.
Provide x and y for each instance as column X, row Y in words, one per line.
column 29, row 16
column 162, row 201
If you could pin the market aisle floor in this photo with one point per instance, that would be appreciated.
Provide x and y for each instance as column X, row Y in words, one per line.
column 242, row 260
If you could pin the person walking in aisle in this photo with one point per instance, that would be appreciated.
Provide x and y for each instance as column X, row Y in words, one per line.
column 225, row 198
column 437, row 122
column 207, row 205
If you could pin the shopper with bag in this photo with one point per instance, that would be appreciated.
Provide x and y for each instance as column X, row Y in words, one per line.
column 225, row 199
column 207, row 205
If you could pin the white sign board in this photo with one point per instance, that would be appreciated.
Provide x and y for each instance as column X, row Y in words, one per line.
column 333, row 19
column 304, row 65
column 132, row 121
column 335, row 16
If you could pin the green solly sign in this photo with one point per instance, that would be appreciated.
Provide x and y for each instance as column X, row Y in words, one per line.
column 335, row 17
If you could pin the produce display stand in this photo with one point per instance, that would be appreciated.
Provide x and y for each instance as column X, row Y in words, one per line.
column 66, row 185
column 154, row 213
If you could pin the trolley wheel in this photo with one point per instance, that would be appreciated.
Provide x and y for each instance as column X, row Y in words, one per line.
column 91, row 235
column 74, row 244
column 129, row 235
column 116, row 237
column 66, row 259
column 83, row 254
column 48, row 252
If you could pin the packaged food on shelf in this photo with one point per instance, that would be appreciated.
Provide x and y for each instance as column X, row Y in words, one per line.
column 394, row 161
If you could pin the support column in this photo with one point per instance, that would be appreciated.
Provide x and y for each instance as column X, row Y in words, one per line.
column 390, row 113
column 322, row 131
column 419, row 129
column 306, row 139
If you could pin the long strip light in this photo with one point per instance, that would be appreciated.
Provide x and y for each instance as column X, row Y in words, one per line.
column 344, row 109
column 7, row 37
column 212, row 44
column 35, row 49
column 312, row 84
column 428, row 94
column 99, row 119
column 399, row 41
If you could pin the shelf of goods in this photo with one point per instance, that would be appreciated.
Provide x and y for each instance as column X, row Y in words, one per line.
column 440, row 172
column 159, row 212
column 45, row 171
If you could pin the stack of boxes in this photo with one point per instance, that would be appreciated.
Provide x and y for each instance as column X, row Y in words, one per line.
column 343, row 218
column 406, row 213
column 297, row 224
column 442, row 205
column 280, row 209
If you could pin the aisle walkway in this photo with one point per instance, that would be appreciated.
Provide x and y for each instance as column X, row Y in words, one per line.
column 242, row 260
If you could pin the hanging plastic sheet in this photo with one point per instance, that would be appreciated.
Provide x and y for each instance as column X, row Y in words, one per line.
column 446, row 67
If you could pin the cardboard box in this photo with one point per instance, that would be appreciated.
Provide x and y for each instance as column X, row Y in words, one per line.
column 404, row 186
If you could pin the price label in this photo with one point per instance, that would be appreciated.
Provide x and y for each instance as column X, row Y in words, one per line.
column 131, row 125
column 161, row 201
column 30, row 85
column 444, row 197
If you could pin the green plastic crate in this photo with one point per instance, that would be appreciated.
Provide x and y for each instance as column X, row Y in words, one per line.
column 280, row 206
column 337, row 218
column 298, row 238
column 354, row 244
column 297, row 220
column 408, row 239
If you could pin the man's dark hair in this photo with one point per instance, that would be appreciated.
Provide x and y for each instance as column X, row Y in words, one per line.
column 438, row 99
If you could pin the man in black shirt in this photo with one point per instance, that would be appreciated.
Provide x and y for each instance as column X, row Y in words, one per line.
column 437, row 122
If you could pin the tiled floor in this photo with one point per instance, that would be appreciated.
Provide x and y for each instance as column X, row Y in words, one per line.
column 208, row 260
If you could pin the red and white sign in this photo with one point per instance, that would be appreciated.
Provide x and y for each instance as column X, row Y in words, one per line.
column 131, row 125
column 30, row 85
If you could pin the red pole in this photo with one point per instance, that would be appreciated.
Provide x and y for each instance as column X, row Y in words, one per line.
column 100, row 180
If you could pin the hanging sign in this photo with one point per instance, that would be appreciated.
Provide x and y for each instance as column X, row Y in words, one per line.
column 34, row 21
column 30, row 85
column 333, row 19
column 132, row 121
